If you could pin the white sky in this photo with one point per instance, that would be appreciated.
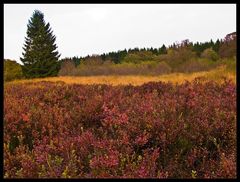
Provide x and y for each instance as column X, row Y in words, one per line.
column 83, row 29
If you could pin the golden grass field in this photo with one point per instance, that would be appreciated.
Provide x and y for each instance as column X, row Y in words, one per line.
column 216, row 74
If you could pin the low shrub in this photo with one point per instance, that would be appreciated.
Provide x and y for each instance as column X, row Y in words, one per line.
column 12, row 70
column 157, row 130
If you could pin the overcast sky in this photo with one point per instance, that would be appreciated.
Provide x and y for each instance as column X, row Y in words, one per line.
column 83, row 29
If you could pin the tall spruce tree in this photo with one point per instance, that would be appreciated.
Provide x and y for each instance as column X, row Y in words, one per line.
column 40, row 58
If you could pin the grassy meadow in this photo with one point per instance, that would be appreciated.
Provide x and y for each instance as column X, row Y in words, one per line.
column 217, row 74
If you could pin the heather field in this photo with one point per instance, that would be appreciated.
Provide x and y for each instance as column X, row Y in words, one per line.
column 120, row 91
column 151, row 130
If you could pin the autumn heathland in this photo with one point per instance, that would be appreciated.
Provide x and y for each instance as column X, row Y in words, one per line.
column 167, row 112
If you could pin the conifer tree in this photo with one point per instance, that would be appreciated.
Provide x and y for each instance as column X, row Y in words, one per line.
column 162, row 50
column 40, row 57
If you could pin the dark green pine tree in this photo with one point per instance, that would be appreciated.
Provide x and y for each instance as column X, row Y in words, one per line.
column 40, row 58
column 216, row 46
column 162, row 50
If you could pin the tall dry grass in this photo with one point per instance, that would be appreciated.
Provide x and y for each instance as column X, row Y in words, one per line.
column 217, row 74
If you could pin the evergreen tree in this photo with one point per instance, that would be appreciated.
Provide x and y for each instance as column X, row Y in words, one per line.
column 162, row 50
column 40, row 58
column 155, row 51
column 103, row 56
column 216, row 46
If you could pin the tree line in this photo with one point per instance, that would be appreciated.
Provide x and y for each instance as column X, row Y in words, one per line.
column 178, row 57
column 118, row 56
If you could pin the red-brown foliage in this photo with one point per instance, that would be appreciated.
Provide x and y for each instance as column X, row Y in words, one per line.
column 157, row 130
